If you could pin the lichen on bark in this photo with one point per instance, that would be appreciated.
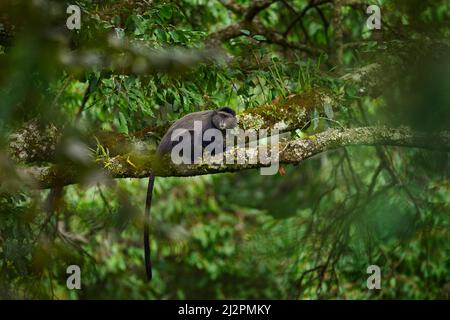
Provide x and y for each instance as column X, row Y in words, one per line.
column 288, row 113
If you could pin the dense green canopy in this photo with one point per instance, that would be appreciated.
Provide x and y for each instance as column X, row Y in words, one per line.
column 365, row 168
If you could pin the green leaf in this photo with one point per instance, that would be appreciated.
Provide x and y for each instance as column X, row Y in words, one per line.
column 259, row 37
column 315, row 119
column 165, row 12
column 160, row 35
column 123, row 126
column 176, row 36
column 328, row 111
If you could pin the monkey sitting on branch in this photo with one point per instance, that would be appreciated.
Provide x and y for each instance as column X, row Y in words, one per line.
column 220, row 119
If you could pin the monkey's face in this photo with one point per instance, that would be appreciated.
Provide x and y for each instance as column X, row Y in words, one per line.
column 224, row 120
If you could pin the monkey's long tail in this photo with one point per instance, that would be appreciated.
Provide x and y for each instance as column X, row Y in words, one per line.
column 148, row 205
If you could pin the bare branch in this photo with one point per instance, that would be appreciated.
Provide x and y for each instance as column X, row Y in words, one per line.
column 257, row 6
column 232, row 6
column 299, row 16
column 339, row 32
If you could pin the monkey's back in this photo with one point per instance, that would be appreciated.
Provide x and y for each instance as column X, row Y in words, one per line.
column 187, row 123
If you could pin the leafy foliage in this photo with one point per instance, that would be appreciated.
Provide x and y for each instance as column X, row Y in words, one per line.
column 310, row 233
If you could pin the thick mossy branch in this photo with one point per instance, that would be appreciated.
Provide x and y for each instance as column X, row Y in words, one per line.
column 35, row 143
column 135, row 165
column 290, row 113
column 120, row 156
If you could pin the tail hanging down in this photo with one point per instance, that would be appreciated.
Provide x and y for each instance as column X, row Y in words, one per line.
column 148, row 205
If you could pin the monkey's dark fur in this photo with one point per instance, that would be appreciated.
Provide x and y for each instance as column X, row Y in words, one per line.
column 222, row 119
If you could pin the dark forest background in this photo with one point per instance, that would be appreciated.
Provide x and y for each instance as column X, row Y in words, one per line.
column 309, row 233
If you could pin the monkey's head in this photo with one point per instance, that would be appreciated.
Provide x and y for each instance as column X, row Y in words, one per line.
column 224, row 118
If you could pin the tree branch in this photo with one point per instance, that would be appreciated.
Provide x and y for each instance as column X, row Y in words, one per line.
column 251, row 23
column 257, row 6
column 137, row 165
column 34, row 143
column 232, row 6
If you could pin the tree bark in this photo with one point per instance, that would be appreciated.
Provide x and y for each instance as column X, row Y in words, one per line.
column 137, row 165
